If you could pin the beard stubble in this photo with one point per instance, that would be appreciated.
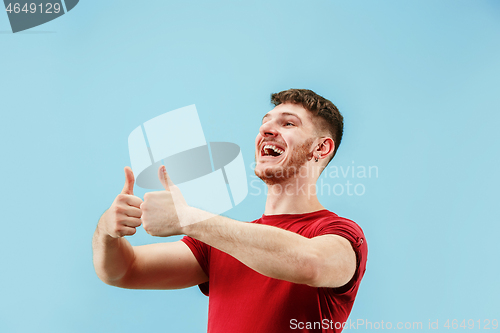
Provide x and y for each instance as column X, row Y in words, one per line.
column 279, row 174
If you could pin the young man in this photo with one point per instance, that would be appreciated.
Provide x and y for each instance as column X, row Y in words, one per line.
column 297, row 268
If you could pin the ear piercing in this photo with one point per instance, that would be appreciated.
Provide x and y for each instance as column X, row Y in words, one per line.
column 316, row 159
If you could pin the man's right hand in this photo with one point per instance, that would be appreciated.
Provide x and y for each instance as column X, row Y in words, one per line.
column 124, row 215
column 169, row 265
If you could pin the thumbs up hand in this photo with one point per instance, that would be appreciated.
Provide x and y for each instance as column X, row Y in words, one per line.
column 128, row 188
column 124, row 215
column 162, row 210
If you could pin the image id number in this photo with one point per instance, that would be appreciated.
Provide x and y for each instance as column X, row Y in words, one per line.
column 485, row 324
column 49, row 8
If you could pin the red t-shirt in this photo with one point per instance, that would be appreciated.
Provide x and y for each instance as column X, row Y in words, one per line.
column 242, row 300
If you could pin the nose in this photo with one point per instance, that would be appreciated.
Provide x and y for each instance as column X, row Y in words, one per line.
column 268, row 129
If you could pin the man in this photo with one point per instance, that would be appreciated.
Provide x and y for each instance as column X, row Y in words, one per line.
column 297, row 268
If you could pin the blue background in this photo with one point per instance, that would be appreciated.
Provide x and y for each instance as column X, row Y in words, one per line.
column 417, row 82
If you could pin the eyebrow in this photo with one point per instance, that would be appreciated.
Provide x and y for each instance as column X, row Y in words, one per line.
column 283, row 114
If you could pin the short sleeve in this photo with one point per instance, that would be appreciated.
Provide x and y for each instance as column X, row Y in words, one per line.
column 353, row 233
column 201, row 252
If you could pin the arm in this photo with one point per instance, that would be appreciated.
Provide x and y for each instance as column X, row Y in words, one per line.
column 155, row 266
column 163, row 266
column 112, row 256
column 323, row 261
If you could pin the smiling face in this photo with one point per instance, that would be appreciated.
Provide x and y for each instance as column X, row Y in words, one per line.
column 284, row 143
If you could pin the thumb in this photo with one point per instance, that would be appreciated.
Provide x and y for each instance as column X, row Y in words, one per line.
column 164, row 178
column 129, row 181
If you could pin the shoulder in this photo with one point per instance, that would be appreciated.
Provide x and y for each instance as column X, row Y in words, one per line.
column 332, row 224
column 328, row 222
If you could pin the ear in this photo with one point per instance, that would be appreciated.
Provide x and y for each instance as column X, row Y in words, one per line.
column 325, row 147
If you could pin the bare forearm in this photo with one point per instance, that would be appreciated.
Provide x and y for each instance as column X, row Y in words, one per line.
column 271, row 251
column 112, row 256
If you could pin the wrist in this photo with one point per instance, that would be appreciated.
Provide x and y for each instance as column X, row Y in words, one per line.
column 193, row 223
column 102, row 230
column 188, row 221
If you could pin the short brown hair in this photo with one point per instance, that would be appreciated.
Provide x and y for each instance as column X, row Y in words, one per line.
column 330, row 119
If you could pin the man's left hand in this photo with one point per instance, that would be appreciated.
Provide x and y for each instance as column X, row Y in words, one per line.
column 161, row 209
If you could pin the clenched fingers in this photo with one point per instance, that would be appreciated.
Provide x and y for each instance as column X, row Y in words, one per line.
column 126, row 231
column 133, row 212
column 131, row 222
column 133, row 201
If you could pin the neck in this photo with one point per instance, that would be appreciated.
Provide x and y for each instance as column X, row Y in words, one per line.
column 292, row 197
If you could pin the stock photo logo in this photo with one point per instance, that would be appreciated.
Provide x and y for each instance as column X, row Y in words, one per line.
column 25, row 15
column 210, row 175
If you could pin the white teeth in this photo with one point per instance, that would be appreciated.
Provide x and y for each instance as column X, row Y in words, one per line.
column 280, row 151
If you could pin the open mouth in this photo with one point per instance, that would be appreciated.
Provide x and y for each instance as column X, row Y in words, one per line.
column 271, row 150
